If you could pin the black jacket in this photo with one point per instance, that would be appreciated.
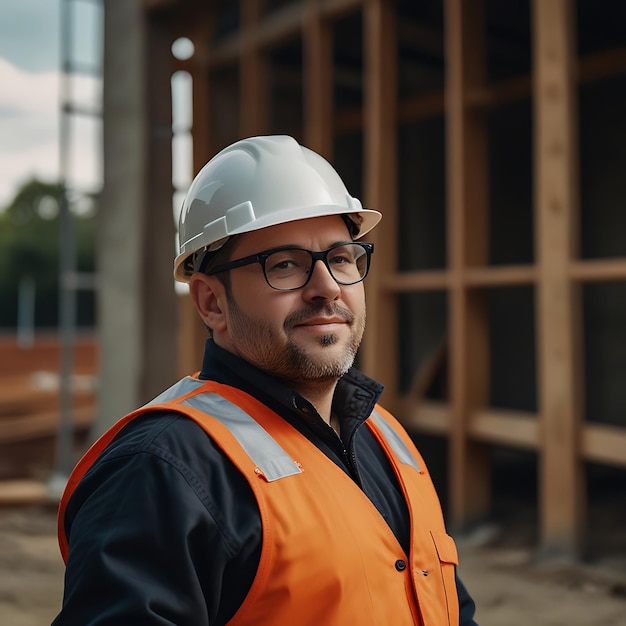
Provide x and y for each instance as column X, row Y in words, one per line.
column 164, row 530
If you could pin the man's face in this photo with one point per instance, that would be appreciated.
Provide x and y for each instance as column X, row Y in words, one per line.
column 308, row 334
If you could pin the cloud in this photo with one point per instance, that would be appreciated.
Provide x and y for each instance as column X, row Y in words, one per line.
column 30, row 130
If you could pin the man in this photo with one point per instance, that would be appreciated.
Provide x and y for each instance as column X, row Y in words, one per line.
column 269, row 489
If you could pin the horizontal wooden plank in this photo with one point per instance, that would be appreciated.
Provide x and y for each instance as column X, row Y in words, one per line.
column 280, row 26
column 598, row 270
column 21, row 492
column 428, row 280
column 604, row 443
column 38, row 425
column 601, row 443
column 602, row 64
column 429, row 417
column 502, row 275
column 517, row 429
column 497, row 94
column 421, row 107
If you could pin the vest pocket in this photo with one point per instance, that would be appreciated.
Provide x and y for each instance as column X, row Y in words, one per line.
column 448, row 560
column 446, row 548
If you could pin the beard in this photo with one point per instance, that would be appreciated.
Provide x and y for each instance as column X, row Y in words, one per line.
column 263, row 345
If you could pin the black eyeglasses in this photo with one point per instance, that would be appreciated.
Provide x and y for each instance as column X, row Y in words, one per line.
column 286, row 269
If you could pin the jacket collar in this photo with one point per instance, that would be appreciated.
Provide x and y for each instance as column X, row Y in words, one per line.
column 354, row 400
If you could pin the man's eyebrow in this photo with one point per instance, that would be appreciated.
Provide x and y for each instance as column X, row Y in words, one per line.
column 287, row 246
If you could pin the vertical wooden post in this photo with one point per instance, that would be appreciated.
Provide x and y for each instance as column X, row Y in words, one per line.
column 380, row 350
column 159, row 367
column 252, row 74
column 556, row 159
column 318, row 93
column 467, row 167
column 192, row 333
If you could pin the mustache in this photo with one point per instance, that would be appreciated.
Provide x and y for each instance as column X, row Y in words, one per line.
column 325, row 310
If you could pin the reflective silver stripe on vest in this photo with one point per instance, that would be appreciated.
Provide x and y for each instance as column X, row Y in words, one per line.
column 181, row 388
column 394, row 440
column 259, row 445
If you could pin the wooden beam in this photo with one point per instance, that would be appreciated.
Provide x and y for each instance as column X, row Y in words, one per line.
column 429, row 417
column 42, row 424
column 591, row 67
column 333, row 9
column 253, row 108
column 24, row 492
column 516, row 429
column 598, row 270
column 495, row 95
column 318, row 87
column 380, row 349
column 280, row 26
column 467, row 167
column 604, row 443
column 419, row 280
column 421, row 107
column 556, row 196
column 159, row 366
column 602, row 64
column 435, row 280
column 600, row 443
column 500, row 276
column 192, row 333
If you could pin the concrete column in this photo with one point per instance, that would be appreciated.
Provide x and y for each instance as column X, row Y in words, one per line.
column 137, row 319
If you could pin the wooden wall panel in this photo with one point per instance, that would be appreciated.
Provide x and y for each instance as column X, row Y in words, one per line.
column 557, row 433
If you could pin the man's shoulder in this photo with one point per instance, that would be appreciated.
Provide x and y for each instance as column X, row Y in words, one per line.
column 158, row 431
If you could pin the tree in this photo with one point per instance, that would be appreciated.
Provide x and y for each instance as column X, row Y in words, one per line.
column 29, row 249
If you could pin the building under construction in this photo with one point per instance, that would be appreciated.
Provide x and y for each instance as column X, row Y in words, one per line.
column 492, row 137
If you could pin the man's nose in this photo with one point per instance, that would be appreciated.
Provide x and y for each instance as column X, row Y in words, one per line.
column 321, row 284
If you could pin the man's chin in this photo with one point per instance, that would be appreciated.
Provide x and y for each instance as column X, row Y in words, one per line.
column 328, row 365
column 326, row 341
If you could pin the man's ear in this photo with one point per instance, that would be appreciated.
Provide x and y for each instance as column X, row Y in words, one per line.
column 209, row 297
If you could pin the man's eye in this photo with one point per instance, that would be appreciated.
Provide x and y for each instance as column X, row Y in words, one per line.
column 339, row 260
column 283, row 265
column 284, row 262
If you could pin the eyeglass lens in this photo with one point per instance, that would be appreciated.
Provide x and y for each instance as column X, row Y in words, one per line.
column 290, row 269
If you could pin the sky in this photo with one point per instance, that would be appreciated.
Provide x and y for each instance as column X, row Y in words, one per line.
column 31, row 89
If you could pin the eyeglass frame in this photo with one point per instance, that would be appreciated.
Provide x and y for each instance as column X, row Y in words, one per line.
column 261, row 258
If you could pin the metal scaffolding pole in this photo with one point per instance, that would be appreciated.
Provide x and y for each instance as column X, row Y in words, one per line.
column 69, row 280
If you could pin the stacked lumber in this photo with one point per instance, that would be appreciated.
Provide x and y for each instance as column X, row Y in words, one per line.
column 30, row 412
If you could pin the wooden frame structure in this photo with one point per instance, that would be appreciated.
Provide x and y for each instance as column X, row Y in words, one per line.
column 557, row 431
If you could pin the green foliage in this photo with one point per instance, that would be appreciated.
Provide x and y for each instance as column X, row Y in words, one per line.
column 29, row 249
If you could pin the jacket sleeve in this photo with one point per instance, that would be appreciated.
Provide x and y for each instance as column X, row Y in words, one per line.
column 467, row 607
column 148, row 544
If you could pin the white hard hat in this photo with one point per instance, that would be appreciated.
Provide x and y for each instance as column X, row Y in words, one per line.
column 260, row 182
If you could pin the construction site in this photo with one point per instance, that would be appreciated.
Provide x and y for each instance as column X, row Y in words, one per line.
column 491, row 136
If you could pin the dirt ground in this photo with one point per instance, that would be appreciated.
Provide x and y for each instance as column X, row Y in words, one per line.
column 509, row 586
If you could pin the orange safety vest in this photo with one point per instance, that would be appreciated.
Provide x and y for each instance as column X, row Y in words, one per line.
column 328, row 556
